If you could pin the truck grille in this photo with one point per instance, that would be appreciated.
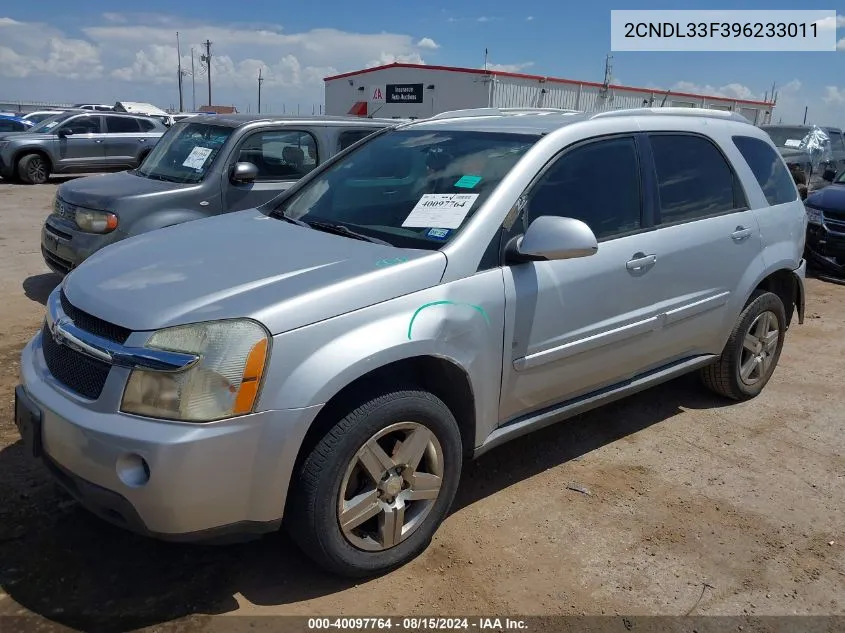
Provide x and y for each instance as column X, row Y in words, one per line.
column 78, row 372
column 92, row 324
column 82, row 374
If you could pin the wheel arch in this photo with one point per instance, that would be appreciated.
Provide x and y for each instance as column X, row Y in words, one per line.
column 787, row 286
column 19, row 154
column 439, row 376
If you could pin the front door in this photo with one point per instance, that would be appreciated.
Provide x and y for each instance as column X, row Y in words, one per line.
column 123, row 139
column 574, row 326
column 282, row 157
column 84, row 147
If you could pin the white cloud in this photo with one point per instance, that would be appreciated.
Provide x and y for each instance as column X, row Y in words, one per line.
column 510, row 68
column 731, row 91
column 133, row 56
column 529, row 18
column 427, row 42
column 840, row 45
column 834, row 96
column 830, row 24
column 484, row 18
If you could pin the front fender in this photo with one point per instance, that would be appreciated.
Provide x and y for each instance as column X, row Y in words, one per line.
column 461, row 322
column 162, row 218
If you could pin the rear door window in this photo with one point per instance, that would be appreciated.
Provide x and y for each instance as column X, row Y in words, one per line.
column 350, row 137
column 777, row 184
column 694, row 179
column 121, row 125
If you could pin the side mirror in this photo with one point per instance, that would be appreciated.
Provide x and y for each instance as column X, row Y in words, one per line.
column 829, row 175
column 63, row 132
column 244, row 172
column 550, row 237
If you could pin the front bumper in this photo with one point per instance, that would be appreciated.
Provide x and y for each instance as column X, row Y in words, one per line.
column 205, row 481
column 64, row 247
column 823, row 246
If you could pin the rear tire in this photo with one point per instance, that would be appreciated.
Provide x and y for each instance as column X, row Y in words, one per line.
column 33, row 169
column 389, row 470
column 752, row 352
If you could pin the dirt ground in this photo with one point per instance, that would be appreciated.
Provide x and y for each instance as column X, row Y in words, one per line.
column 687, row 505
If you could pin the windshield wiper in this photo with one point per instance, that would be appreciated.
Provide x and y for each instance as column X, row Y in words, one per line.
column 328, row 227
column 155, row 177
column 339, row 229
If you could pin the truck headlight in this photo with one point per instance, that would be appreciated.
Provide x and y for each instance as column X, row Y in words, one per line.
column 223, row 383
column 814, row 216
column 96, row 221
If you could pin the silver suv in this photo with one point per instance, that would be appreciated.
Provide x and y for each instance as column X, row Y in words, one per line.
column 437, row 290
column 77, row 143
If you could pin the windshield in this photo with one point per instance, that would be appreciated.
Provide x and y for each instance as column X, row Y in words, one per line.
column 787, row 136
column 840, row 180
column 49, row 123
column 185, row 153
column 412, row 188
column 38, row 118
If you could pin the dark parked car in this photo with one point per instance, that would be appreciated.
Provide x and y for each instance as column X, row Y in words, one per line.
column 75, row 142
column 826, row 226
column 203, row 166
column 791, row 142
column 14, row 124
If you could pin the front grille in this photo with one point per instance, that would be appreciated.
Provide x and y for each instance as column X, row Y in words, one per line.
column 52, row 229
column 82, row 374
column 65, row 209
column 92, row 324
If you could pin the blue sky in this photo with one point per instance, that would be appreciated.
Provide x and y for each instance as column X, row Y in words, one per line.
column 96, row 52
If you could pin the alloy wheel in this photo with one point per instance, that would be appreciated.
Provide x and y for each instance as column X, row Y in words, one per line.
column 758, row 348
column 390, row 486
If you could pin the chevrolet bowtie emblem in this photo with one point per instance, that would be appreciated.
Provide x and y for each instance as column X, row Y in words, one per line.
column 56, row 329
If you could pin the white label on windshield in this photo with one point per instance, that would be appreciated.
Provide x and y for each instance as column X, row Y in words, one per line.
column 51, row 125
column 196, row 159
column 791, row 142
column 443, row 210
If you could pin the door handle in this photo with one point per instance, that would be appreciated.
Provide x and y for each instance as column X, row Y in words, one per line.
column 740, row 234
column 641, row 261
column 98, row 140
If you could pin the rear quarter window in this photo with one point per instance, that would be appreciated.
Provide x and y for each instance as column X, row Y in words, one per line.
column 772, row 175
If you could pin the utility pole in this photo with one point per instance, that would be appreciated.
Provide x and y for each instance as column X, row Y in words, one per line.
column 805, row 114
column 193, row 83
column 260, row 81
column 179, row 70
column 207, row 59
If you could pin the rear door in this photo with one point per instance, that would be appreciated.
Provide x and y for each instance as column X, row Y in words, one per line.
column 709, row 243
column 122, row 140
column 282, row 156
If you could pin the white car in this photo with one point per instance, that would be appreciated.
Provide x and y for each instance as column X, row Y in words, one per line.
column 39, row 115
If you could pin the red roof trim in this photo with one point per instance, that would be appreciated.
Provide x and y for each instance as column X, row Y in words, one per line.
column 478, row 71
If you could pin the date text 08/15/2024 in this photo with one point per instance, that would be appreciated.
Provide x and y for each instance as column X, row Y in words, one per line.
column 416, row 623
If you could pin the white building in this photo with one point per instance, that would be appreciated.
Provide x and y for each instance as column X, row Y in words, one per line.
column 417, row 91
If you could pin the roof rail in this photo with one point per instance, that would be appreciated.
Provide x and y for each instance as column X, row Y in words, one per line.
column 477, row 112
column 695, row 112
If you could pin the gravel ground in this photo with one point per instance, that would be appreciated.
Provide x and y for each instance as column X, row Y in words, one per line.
column 670, row 502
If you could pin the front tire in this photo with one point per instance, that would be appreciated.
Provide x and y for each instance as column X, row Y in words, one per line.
column 752, row 351
column 33, row 169
column 372, row 492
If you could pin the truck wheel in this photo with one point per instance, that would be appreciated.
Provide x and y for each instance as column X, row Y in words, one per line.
column 33, row 169
column 752, row 351
column 371, row 494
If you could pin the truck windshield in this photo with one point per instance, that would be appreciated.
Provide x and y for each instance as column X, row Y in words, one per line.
column 185, row 153
column 787, row 136
column 411, row 188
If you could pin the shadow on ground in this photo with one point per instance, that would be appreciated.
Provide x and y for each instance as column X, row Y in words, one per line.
column 39, row 287
column 62, row 563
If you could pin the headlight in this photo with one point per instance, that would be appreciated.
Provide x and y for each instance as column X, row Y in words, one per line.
column 814, row 216
column 96, row 221
column 224, row 382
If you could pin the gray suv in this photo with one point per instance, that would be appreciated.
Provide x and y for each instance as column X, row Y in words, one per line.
column 76, row 143
column 439, row 289
column 204, row 166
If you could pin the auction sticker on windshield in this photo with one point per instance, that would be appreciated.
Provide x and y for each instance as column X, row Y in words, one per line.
column 196, row 159
column 443, row 210
column 791, row 142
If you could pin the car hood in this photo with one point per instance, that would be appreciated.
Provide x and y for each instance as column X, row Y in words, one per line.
column 832, row 198
column 104, row 191
column 26, row 136
column 792, row 154
column 244, row 264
